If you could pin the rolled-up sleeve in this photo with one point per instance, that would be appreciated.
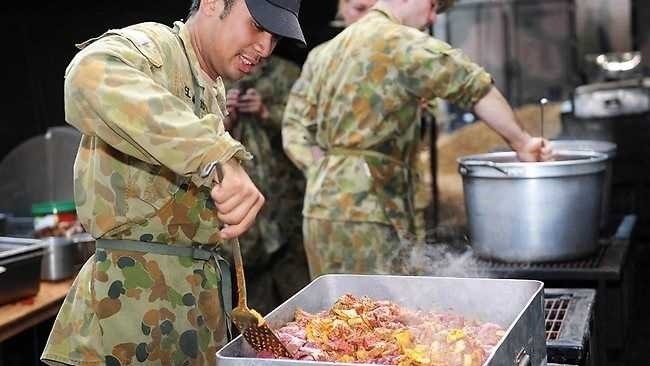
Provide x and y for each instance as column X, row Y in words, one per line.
column 110, row 93
column 431, row 68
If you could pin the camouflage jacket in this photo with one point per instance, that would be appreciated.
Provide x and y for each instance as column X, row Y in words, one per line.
column 273, row 173
column 152, row 122
column 138, row 153
column 358, row 99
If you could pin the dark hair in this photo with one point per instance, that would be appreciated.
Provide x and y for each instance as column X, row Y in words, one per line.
column 227, row 6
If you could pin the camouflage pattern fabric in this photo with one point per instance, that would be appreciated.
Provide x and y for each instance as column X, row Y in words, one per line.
column 277, row 232
column 151, row 121
column 343, row 247
column 274, row 174
column 369, row 103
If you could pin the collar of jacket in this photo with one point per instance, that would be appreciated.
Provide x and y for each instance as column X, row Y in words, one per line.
column 201, row 76
column 382, row 9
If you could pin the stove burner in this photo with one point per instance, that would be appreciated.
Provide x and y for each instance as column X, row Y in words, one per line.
column 569, row 323
column 588, row 263
column 555, row 310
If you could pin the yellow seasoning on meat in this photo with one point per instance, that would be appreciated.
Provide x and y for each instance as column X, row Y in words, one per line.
column 355, row 321
column 347, row 314
column 362, row 355
column 403, row 339
column 454, row 335
column 418, row 354
column 346, row 358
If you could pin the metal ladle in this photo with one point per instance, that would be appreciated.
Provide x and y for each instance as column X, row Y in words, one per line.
column 542, row 102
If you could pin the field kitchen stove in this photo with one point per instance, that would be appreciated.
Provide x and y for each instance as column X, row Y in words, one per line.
column 609, row 272
column 570, row 333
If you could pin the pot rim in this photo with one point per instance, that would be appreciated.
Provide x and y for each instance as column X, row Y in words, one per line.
column 484, row 165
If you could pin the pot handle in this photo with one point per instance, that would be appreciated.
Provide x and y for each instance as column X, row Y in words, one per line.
column 465, row 166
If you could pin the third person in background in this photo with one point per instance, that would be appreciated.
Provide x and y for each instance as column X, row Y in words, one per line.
column 351, row 125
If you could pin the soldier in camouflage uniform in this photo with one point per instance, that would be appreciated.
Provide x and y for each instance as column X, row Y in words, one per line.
column 256, row 104
column 150, row 103
column 350, row 125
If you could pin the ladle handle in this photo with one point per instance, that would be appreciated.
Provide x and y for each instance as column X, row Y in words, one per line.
column 236, row 254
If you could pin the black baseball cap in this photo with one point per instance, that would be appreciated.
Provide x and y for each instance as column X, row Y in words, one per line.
column 278, row 17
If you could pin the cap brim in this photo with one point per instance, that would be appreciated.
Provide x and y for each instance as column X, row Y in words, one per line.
column 276, row 20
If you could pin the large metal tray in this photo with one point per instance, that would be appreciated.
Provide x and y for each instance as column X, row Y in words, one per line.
column 20, row 268
column 516, row 305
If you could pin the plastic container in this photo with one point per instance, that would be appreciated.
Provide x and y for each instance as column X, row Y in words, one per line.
column 53, row 218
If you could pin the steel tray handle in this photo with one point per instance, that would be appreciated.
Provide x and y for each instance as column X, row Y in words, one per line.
column 465, row 166
column 523, row 358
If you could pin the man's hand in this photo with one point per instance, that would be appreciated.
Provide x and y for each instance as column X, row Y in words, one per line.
column 535, row 149
column 232, row 99
column 237, row 200
column 252, row 103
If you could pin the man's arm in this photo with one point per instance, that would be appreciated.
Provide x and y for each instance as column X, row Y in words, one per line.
column 494, row 110
column 299, row 124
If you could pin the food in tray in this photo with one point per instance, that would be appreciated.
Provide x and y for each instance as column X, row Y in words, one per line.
column 365, row 330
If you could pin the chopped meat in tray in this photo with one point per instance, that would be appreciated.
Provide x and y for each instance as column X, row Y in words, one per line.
column 364, row 330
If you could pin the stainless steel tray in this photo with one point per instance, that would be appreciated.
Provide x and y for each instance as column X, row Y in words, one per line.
column 516, row 305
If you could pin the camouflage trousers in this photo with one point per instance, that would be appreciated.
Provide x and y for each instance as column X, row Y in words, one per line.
column 357, row 247
column 127, row 308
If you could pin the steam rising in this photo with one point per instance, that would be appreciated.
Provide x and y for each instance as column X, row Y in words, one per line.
column 446, row 254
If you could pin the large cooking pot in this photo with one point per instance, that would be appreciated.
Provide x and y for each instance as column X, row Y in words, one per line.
column 534, row 212
column 605, row 147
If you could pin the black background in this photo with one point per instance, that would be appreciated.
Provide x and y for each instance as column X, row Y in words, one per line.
column 39, row 41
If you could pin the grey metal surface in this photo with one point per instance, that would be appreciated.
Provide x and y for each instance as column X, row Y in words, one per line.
column 20, row 268
column 611, row 102
column 533, row 212
column 11, row 247
column 605, row 147
column 39, row 169
column 517, row 305
column 59, row 259
column 570, row 345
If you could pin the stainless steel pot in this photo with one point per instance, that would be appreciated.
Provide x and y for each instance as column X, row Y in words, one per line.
column 534, row 212
column 59, row 258
column 605, row 147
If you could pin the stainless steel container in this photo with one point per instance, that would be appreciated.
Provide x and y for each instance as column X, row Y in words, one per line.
column 533, row 212
column 605, row 147
column 516, row 305
column 20, row 268
column 58, row 261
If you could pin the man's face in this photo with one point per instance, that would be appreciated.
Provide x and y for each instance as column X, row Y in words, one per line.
column 353, row 10
column 233, row 44
column 420, row 14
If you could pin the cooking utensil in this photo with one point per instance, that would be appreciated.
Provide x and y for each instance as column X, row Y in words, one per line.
column 542, row 102
column 534, row 211
column 516, row 305
column 249, row 322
